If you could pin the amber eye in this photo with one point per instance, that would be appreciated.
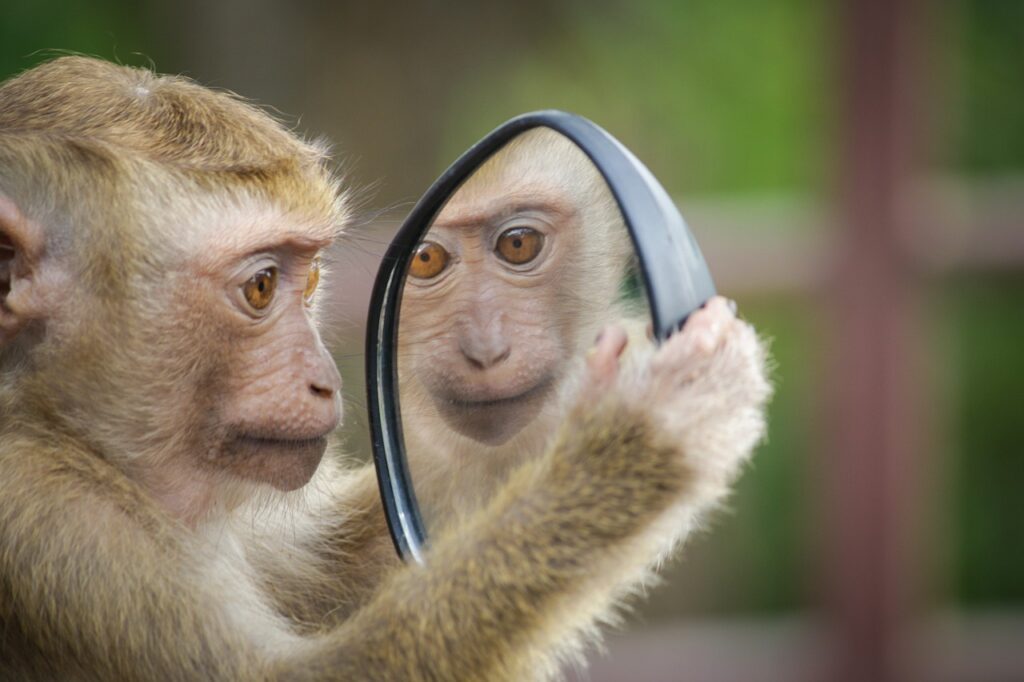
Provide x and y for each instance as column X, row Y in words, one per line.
column 312, row 280
column 259, row 290
column 519, row 245
column 429, row 261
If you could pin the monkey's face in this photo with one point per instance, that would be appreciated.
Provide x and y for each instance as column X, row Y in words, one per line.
column 279, row 387
column 210, row 364
column 484, row 327
column 513, row 279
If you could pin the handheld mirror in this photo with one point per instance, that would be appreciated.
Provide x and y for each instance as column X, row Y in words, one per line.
column 491, row 294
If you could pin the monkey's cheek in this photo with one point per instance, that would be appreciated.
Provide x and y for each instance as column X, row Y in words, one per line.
column 283, row 464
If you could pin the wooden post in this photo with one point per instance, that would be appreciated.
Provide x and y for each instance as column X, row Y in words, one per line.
column 869, row 456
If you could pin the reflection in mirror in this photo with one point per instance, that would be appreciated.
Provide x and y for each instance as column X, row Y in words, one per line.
column 506, row 292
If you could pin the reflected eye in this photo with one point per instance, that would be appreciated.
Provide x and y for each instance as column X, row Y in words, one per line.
column 429, row 261
column 519, row 245
column 312, row 280
column 259, row 290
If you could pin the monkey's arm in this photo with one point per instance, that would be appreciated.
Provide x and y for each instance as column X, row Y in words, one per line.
column 532, row 567
column 573, row 531
column 94, row 583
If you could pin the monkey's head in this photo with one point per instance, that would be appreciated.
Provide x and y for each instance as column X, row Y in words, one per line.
column 511, row 283
column 158, row 257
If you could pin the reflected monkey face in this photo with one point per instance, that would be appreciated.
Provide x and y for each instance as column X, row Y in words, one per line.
column 483, row 325
column 515, row 275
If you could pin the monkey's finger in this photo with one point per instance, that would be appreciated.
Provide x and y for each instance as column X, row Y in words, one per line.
column 603, row 358
column 720, row 305
column 704, row 330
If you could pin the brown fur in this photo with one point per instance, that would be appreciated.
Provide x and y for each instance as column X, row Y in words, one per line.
column 117, row 188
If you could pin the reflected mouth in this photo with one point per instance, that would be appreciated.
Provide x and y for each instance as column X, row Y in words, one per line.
column 493, row 421
column 534, row 390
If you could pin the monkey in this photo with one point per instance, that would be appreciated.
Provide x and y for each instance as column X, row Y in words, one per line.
column 167, row 507
column 517, row 273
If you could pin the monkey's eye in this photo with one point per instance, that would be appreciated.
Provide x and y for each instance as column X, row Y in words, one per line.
column 259, row 290
column 312, row 280
column 519, row 245
column 429, row 261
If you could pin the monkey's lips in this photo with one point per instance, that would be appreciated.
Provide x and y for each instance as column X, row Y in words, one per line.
column 496, row 398
column 492, row 417
column 286, row 463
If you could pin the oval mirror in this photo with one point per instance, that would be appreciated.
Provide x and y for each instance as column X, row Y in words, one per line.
column 491, row 293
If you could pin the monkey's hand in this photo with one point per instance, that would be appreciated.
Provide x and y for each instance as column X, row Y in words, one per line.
column 705, row 388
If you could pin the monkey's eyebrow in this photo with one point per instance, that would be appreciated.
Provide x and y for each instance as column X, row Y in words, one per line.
column 297, row 242
column 321, row 234
column 509, row 206
column 302, row 241
column 304, row 238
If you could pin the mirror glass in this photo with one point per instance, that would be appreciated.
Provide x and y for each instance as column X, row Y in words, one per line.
column 506, row 291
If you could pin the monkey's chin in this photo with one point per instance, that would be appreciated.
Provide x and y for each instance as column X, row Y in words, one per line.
column 286, row 464
column 495, row 422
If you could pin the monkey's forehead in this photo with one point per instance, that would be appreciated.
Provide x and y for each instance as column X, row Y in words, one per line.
column 221, row 230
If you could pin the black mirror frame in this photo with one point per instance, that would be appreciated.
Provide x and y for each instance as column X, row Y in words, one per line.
column 676, row 280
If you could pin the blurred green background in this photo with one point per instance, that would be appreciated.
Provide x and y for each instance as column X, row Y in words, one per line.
column 730, row 103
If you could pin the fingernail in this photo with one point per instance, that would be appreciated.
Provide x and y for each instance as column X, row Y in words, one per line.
column 732, row 305
column 600, row 335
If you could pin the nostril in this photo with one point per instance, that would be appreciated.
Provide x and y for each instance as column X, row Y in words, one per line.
column 321, row 392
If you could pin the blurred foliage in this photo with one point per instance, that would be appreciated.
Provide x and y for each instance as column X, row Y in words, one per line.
column 716, row 96
column 713, row 96
column 32, row 32
column 982, row 320
column 989, row 93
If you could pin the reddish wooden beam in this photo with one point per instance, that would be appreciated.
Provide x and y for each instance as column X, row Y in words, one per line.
column 868, row 460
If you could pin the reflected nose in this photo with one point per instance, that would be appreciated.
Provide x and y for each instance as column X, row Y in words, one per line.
column 484, row 351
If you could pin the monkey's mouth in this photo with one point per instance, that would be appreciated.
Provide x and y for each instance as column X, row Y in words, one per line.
column 481, row 403
column 494, row 420
column 311, row 443
column 285, row 463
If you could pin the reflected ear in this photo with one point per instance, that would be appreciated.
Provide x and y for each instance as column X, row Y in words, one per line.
column 21, row 243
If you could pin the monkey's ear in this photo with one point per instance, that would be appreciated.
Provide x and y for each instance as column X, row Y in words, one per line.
column 21, row 242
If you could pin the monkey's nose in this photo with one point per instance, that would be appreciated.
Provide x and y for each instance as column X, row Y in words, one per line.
column 324, row 379
column 321, row 391
column 484, row 354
